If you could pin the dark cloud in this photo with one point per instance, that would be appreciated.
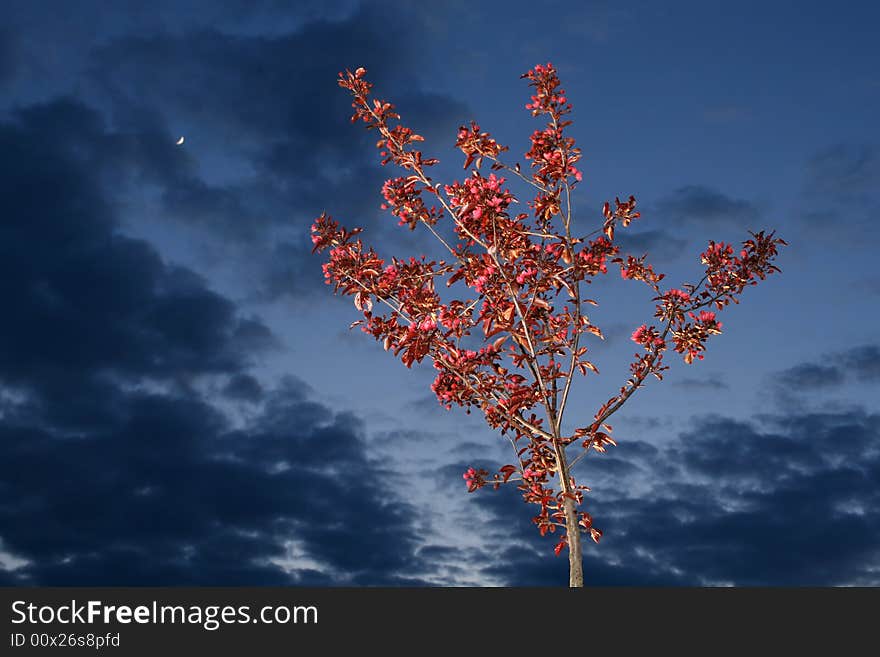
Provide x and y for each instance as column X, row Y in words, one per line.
column 810, row 376
column 274, row 100
column 706, row 207
column 660, row 245
column 793, row 502
column 169, row 494
column 863, row 362
column 225, row 83
column 222, row 209
column 245, row 387
column 268, row 109
column 789, row 500
column 140, row 448
column 857, row 364
column 90, row 305
column 121, row 471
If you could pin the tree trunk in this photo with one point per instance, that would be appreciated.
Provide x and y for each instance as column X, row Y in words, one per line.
column 575, row 551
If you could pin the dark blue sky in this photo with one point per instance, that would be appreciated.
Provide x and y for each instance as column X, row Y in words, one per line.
column 181, row 401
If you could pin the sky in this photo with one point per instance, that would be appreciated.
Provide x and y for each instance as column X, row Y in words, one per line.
column 182, row 402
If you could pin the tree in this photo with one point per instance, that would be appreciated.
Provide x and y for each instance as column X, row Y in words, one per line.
column 514, row 345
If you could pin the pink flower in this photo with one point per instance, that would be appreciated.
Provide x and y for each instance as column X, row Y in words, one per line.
column 525, row 275
column 638, row 335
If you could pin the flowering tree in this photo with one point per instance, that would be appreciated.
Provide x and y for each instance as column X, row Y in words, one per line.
column 513, row 344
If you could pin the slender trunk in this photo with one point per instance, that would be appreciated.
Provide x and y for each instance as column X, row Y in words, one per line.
column 575, row 551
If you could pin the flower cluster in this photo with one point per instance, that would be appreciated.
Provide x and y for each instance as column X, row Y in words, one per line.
column 728, row 275
column 475, row 478
column 647, row 337
column 476, row 145
column 637, row 270
column 592, row 259
column 553, row 155
column 404, row 200
column 549, row 97
column 460, row 375
column 395, row 142
column 481, row 207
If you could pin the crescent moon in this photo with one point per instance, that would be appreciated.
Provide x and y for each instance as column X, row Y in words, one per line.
column 180, row 141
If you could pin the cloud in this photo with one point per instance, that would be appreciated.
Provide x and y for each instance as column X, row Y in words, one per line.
column 863, row 362
column 266, row 113
column 791, row 502
column 80, row 291
column 660, row 245
column 787, row 499
column 706, row 207
column 245, row 387
column 836, row 369
column 133, row 423
column 810, row 376
column 123, row 465
column 274, row 99
column 137, row 475
column 169, row 494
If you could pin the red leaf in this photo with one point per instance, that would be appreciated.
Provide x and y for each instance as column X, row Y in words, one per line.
column 363, row 302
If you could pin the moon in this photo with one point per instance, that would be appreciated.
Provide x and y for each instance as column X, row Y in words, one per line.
column 179, row 142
